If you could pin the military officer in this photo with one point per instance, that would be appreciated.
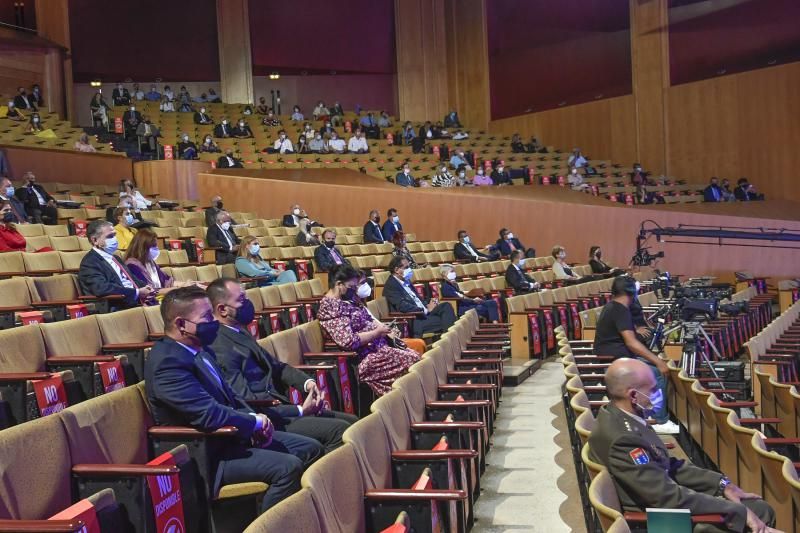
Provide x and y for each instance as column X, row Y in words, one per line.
column 646, row 476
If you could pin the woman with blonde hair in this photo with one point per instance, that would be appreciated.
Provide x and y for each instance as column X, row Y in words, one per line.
column 250, row 264
column 561, row 269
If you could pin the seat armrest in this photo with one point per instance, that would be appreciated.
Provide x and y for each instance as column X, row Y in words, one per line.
column 433, row 455
column 696, row 519
column 415, row 495
column 263, row 403
column 759, row 421
column 16, row 308
column 79, row 359
column 127, row 346
column 781, row 441
column 116, row 470
column 492, row 352
column 8, row 525
column 191, row 433
column 53, row 303
column 313, row 368
column 323, row 355
column 734, row 405
column 110, row 297
column 441, row 404
column 444, row 426
column 466, row 386
column 10, row 377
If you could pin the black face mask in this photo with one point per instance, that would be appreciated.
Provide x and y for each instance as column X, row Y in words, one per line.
column 206, row 332
column 246, row 313
column 330, row 244
column 8, row 216
column 377, row 219
column 599, row 255
column 219, row 205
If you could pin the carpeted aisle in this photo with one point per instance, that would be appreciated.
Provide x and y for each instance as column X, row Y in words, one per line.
column 530, row 484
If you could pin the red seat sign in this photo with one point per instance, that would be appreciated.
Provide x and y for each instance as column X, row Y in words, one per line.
column 50, row 395
column 165, row 492
column 112, row 376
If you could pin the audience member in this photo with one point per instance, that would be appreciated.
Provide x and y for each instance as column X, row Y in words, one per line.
column 401, row 249
column 342, row 314
column 516, row 278
column 481, row 178
column 727, row 194
column 370, row 126
column 228, row 160
column 40, row 206
column 509, row 243
column 36, row 95
column 185, row 386
column 645, row 476
column 223, row 130
column 432, row 317
column 120, row 96
column 337, row 114
column 486, row 309
column 451, row 120
column 131, row 120
column 3, row 164
column 283, row 145
column 326, row 129
column 615, row 335
column 167, row 104
column 308, row 131
column 13, row 113
column 212, row 210
column 35, row 125
column 271, row 120
column 253, row 373
column 99, row 109
column 248, row 110
column 221, row 237
column 296, row 114
column 392, row 224
column 262, row 108
column 139, row 202
column 576, row 159
column 517, row 145
column 317, row 145
column 561, row 270
column 212, row 97
column 599, row 266
column 83, row 144
column 101, row 273
column 384, row 121
column 17, row 209
column 336, row 144
column 535, row 146
column 409, row 134
column 443, row 178
column 358, row 144
column 184, row 100
column 141, row 262
column 250, row 264
column 137, row 93
column 372, row 228
column 327, row 256
column 745, row 192
column 124, row 220
column 292, row 219
column 11, row 240
column 464, row 251
column 202, row 99
column 302, row 145
column 500, row 176
column 459, row 160
column 304, row 235
column 712, row 193
column 186, row 148
column 201, row 117
column 209, row 146
column 638, row 175
column 242, row 130
column 404, row 177
column 152, row 95
column 149, row 134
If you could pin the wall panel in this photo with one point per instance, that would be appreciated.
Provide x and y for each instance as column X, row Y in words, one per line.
column 68, row 167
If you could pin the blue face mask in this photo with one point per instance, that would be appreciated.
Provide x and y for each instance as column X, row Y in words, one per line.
column 656, row 399
column 9, row 192
column 111, row 245
column 129, row 219
column 466, row 239
column 407, row 275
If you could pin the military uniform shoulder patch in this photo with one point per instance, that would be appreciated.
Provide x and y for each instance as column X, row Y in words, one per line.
column 639, row 456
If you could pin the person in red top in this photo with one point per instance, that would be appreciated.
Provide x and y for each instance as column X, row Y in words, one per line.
column 10, row 239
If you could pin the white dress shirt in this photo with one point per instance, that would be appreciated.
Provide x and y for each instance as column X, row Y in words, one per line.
column 411, row 292
column 337, row 145
column 357, row 143
column 284, row 146
column 115, row 263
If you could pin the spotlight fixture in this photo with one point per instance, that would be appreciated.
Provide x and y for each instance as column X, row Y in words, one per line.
column 95, row 83
column 274, row 76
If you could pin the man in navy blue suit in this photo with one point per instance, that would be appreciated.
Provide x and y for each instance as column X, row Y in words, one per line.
column 186, row 387
column 102, row 273
column 372, row 229
column 392, row 224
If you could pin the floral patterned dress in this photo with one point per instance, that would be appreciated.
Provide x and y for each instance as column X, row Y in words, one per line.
column 379, row 364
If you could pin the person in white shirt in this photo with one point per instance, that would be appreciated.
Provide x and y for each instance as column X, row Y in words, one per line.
column 296, row 114
column 575, row 180
column 283, row 144
column 128, row 189
column 357, row 143
column 168, row 94
column 576, row 159
column 335, row 144
column 320, row 111
column 137, row 94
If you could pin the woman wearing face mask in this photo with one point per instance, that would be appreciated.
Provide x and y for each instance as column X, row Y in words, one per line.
column 186, row 148
column 262, row 108
column 209, row 146
column 249, row 264
column 242, row 130
column 486, row 309
column 141, row 258
column 401, row 250
column 125, row 233
column 443, row 178
column 167, row 105
column 561, row 270
column 304, row 235
column 481, row 178
column 83, row 144
column 302, row 145
column 34, row 124
column 347, row 321
column 599, row 266
column 11, row 240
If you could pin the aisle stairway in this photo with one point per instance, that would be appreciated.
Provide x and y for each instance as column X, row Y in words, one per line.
column 530, row 484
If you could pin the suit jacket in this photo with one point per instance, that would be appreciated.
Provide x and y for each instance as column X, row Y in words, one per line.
column 222, row 162
column 712, row 193
column 288, row 221
column 215, row 238
column 252, row 372
column 372, row 233
column 242, row 132
column 198, row 118
column 501, row 178
column 218, row 130
column 324, row 258
column 20, row 102
column 389, row 231
column 646, row 476
column 744, row 195
column 97, row 278
column 29, row 199
column 518, row 280
column 398, row 299
column 128, row 115
column 120, row 98
column 505, row 249
column 403, row 180
column 461, row 253
column 141, row 129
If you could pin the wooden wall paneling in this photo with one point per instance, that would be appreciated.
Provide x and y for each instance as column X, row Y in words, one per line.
column 52, row 22
column 235, row 58
column 19, row 67
column 172, row 180
column 68, row 167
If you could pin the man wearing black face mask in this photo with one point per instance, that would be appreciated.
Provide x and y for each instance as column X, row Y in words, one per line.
column 327, row 255
column 213, row 209
column 253, row 373
column 646, row 476
column 372, row 229
column 185, row 386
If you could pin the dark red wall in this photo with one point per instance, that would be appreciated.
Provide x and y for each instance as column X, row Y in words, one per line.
column 749, row 35
column 143, row 40
column 545, row 53
column 318, row 36
column 8, row 15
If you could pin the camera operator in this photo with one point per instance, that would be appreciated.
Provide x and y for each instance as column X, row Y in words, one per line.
column 644, row 330
column 615, row 335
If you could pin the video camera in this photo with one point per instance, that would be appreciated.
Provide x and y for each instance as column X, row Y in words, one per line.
column 643, row 257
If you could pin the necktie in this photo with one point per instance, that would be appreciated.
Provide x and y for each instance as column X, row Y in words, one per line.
column 122, row 272
column 511, row 245
column 336, row 256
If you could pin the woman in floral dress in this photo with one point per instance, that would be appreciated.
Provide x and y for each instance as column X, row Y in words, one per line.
column 349, row 324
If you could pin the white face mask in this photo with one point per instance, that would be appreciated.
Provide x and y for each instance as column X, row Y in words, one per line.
column 226, row 226
column 254, row 249
column 202, row 109
column 224, row 122
column 364, row 291
column 451, row 275
column 500, row 169
column 406, row 171
column 154, row 253
column 510, row 235
column 241, row 124
column 295, row 212
column 185, row 138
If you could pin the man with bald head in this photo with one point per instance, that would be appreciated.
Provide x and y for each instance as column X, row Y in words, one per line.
column 643, row 472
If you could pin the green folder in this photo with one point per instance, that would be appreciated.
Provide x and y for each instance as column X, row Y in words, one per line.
column 669, row 521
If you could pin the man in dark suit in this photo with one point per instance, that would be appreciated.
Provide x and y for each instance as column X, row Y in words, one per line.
column 131, row 120
column 201, row 117
column 712, row 193
column 642, row 470
column 120, row 95
column 372, row 229
column 404, row 177
column 508, row 243
column 292, row 220
column 464, row 251
column 24, row 101
column 102, row 273
column 228, row 161
column 327, row 256
column 432, row 316
column 19, row 216
column 242, row 130
column 213, row 209
column 500, row 176
column 392, row 224
column 744, row 191
column 223, row 130
column 40, row 206
column 253, row 373
column 222, row 237
column 516, row 278
column 185, row 386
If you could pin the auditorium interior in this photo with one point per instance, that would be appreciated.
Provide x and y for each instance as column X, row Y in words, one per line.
column 156, row 156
